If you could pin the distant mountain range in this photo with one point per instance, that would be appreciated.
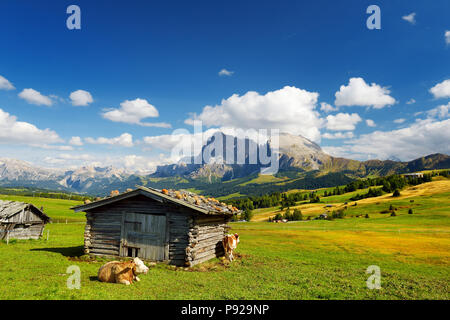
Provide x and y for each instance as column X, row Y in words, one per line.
column 296, row 153
column 302, row 165
column 91, row 180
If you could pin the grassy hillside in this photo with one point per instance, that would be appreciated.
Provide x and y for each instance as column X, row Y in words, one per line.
column 264, row 178
column 423, row 196
column 299, row 260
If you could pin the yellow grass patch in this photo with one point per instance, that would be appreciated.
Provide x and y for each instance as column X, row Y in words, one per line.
column 430, row 248
column 424, row 189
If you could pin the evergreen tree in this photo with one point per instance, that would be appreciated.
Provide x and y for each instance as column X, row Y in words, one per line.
column 297, row 215
column 287, row 214
column 247, row 215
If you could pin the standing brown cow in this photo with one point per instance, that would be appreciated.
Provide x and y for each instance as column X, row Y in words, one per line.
column 230, row 242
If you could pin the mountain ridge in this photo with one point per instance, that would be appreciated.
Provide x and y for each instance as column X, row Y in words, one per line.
column 302, row 163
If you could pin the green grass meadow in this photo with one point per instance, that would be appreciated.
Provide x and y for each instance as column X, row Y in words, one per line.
column 297, row 260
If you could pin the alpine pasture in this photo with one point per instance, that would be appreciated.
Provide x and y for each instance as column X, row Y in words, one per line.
column 314, row 259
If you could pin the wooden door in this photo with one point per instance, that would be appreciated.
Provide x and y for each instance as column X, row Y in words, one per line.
column 144, row 236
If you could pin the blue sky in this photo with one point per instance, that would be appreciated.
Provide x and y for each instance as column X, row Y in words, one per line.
column 169, row 55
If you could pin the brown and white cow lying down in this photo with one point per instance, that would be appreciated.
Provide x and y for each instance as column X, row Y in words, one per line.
column 122, row 272
column 230, row 242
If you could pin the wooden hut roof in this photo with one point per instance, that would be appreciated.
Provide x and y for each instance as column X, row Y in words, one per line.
column 191, row 200
column 11, row 208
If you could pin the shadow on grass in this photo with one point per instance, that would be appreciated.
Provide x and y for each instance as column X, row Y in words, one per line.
column 93, row 278
column 77, row 251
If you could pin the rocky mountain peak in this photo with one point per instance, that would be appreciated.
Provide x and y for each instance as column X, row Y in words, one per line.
column 299, row 152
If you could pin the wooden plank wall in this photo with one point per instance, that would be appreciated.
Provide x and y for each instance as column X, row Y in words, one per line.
column 31, row 226
column 206, row 234
column 102, row 232
column 32, row 232
column 178, row 229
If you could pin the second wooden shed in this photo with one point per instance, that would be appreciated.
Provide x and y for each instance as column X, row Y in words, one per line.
column 177, row 227
column 19, row 220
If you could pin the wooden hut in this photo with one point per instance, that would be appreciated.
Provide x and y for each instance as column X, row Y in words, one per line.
column 19, row 220
column 413, row 175
column 177, row 227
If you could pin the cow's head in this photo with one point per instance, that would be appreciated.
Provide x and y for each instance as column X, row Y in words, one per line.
column 237, row 237
column 140, row 266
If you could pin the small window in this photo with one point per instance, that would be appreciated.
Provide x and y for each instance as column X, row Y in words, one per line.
column 21, row 226
column 133, row 252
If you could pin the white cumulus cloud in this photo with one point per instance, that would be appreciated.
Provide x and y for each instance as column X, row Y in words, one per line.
column 400, row 120
column 442, row 111
column 52, row 147
column 326, row 107
column 338, row 135
column 81, row 98
column 422, row 138
column 225, row 72
column 133, row 112
column 370, row 123
column 143, row 165
column 124, row 140
column 447, row 37
column 19, row 132
column 5, row 84
column 76, row 141
column 441, row 90
column 342, row 121
column 289, row 109
column 167, row 142
column 35, row 97
column 411, row 18
column 359, row 93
